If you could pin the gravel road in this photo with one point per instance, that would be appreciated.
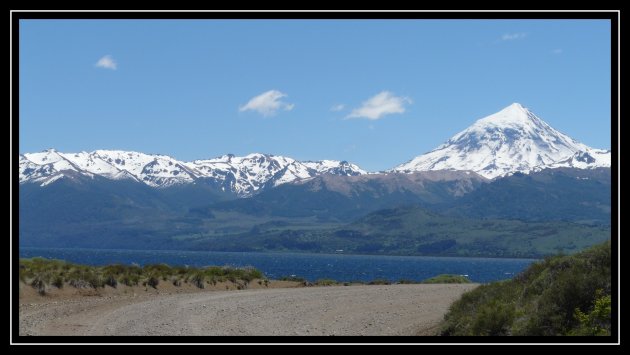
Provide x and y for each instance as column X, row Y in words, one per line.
column 339, row 310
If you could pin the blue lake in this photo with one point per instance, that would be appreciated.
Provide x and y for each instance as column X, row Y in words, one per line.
column 340, row 267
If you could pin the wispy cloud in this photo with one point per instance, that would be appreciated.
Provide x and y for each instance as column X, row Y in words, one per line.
column 557, row 51
column 338, row 107
column 267, row 104
column 106, row 62
column 513, row 36
column 379, row 105
column 350, row 148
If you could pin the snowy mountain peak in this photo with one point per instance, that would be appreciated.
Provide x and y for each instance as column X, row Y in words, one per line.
column 516, row 105
column 243, row 176
column 511, row 140
column 515, row 114
column 513, row 117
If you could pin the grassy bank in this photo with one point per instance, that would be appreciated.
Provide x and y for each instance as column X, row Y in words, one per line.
column 45, row 275
column 439, row 279
column 562, row 295
column 42, row 274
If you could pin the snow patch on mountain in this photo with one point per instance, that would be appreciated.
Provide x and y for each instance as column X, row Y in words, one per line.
column 241, row 175
column 588, row 159
column 335, row 167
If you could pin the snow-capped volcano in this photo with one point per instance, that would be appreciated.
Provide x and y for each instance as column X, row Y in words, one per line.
column 241, row 175
column 511, row 140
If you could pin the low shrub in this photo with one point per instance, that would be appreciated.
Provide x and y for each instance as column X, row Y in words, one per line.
column 379, row 282
column 153, row 281
column 326, row 282
column 447, row 279
column 292, row 278
column 197, row 280
column 111, row 281
column 39, row 283
column 58, row 281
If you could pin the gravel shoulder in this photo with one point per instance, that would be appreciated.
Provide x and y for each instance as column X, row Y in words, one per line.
column 338, row 310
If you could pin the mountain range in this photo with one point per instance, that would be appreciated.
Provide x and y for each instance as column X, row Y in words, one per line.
column 509, row 171
column 512, row 140
column 243, row 176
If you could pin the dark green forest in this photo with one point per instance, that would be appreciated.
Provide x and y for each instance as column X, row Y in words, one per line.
column 544, row 213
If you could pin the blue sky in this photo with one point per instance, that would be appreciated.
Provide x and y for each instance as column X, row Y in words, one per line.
column 376, row 93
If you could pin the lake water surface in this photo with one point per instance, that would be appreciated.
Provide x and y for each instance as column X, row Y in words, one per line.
column 340, row 267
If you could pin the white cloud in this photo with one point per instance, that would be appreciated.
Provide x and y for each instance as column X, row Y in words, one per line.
column 106, row 62
column 557, row 51
column 337, row 108
column 513, row 36
column 267, row 104
column 381, row 104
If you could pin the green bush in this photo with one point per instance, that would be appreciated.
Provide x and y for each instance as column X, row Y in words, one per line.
column 58, row 281
column 94, row 279
column 447, row 279
column 111, row 281
column 130, row 280
column 597, row 321
column 493, row 318
column 197, row 280
column 563, row 295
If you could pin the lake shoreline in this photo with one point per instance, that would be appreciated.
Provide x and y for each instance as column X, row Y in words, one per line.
column 290, row 252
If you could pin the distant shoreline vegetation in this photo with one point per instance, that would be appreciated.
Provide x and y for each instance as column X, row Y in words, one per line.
column 42, row 274
column 284, row 252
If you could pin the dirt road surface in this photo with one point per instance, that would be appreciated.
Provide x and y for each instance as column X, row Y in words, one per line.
column 339, row 310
